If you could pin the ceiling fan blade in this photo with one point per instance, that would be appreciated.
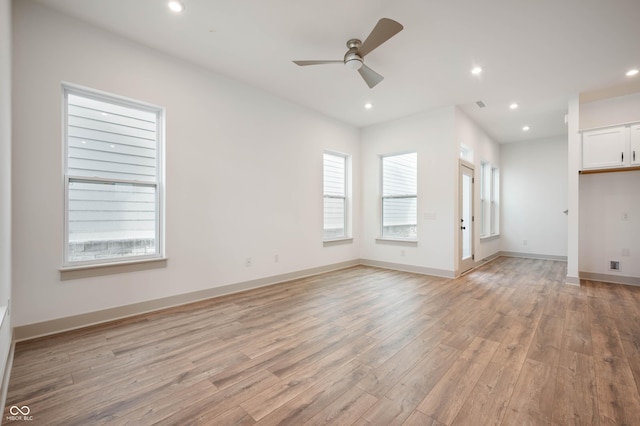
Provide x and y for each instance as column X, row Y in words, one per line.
column 305, row 63
column 383, row 31
column 370, row 76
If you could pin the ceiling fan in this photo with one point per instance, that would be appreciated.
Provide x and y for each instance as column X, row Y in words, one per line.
column 354, row 58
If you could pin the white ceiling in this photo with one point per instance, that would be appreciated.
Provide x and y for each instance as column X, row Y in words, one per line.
column 534, row 52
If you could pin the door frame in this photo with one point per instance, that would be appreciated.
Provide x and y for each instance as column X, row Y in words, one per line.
column 465, row 265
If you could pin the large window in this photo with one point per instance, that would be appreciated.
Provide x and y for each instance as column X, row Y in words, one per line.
column 399, row 196
column 489, row 200
column 113, row 179
column 335, row 196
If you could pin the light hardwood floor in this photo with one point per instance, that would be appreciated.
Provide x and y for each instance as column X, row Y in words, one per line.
column 508, row 344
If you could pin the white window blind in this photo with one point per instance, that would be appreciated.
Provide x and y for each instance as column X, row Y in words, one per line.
column 335, row 196
column 113, row 179
column 399, row 196
column 495, row 198
column 489, row 200
column 485, row 190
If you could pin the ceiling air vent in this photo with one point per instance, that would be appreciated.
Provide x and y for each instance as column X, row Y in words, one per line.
column 480, row 104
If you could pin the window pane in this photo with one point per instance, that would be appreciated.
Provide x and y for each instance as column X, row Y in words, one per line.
column 335, row 200
column 399, row 196
column 110, row 141
column 112, row 151
column 399, row 175
column 334, row 175
column 334, row 218
column 399, row 217
column 108, row 220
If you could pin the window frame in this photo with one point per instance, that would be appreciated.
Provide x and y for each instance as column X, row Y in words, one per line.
column 494, row 228
column 489, row 200
column 159, row 183
column 484, row 166
column 403, row 196
column 346, row 198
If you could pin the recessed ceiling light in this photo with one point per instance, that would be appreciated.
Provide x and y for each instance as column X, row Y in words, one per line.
column 176, row 6
column 476, row 70
column 632, row 72
column 526, row 128
column 368, row 105
column 513, row 106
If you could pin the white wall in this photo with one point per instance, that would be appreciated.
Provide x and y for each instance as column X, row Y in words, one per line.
column 484, row 150
column 534, row 196
column 610, row 223
column 604, row 197
column 244, row 171
column 5, row 189
column 606, row 112
column 430, row 134
column 574, row 152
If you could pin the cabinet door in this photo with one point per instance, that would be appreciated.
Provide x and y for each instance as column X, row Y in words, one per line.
column 604, row 148
column 635, row 145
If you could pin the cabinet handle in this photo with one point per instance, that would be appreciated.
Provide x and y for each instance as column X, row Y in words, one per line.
column 634, row 156
column 622, row 158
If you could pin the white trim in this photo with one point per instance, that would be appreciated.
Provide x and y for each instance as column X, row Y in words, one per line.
column 409, row 268
column 158, row 184
column 398, row 241
column 337, row 241
column 58, row 325
column 347, row 194
column 141, row 259
column 609, row 126
column 569, row 280
column 533, row 256
column 608, row 278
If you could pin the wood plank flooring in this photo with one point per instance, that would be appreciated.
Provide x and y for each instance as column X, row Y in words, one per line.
column 507, row 344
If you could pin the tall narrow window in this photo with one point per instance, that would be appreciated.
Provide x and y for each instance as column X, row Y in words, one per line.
column 495, row 199
column 113, row 179
column 335, row 196
column 400, row 196
column 485, row 191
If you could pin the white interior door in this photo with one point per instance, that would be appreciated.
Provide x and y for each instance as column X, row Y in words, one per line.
column 467, row 260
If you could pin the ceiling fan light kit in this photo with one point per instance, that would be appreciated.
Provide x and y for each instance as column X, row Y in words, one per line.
column 354, row 58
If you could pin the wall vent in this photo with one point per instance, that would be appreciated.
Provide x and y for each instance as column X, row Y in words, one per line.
column 614, row 265
column 480, row 104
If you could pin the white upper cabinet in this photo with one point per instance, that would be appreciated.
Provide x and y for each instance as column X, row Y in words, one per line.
column 634, row 136
column 607, row 148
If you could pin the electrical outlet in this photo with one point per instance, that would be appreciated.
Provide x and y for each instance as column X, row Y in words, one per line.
column 626, row 252
column 276, row 258
column 248, row 262
column 402, row 253
column 614, row 265
column 625, row 217
column 525, row 242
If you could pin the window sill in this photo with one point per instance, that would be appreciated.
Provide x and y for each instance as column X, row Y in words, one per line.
column 396, row 241
column 490, row 237
column 337, row 241
column 94, row 270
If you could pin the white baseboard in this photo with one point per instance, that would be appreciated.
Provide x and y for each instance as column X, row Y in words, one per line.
column 533, row 255
column 409, row 268
column 570, row 280
column 45, row 328
column 609, row 278
column 31, row 331
column 6, row 375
